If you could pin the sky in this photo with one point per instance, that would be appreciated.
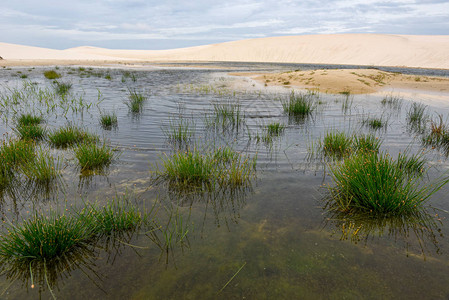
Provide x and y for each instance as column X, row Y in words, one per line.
column 148, row 24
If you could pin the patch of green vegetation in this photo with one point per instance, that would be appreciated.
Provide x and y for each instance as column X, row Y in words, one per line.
column 300, row 105
column 51, row 74
column 30, row 132
column 29, row 120
column 227, row 115
column 62, row 88
column 375, row 184
column 70, row 135
column 375, row 123
column 222, row 168
column 108, row 120
column 438, row 135
column 135, row 101
column 91, row 156
column 180, row 131
column 392, row 101
column 275, row 129
column 416, row 116
column 337, row 145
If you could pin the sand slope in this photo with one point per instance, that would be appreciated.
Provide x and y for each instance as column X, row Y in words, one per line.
column 352, row 49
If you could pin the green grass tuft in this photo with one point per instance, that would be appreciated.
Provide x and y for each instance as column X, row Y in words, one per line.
column 375, row 184
column 91, row 156
column 51, row 74
column 223, row 167
column 108, row 120
column 31, row 132
column 29, row 120
column 62, row 88
column 300, row 105
column 135, row 101
column 70, row 135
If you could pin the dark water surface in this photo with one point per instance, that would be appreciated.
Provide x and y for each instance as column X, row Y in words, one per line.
column 270, row 241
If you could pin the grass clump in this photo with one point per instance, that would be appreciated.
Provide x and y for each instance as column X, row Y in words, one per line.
column 337, row 145
column 51, row 74
column 114, row 218
column 375, row 184
column 42, row 170
column 300, row 105
column 223, row 167
column 30, row 132
column 438, row 136
column 416, row 116
column 374, row 123
column 108, row 120
column 228, row 114
column 91, row 156
column 275, row 129
column 392, row 101
column 43, row 238
column 179, row 131
column 135, row 101
column 62, row 88
column 29, row 120
column 70, row 135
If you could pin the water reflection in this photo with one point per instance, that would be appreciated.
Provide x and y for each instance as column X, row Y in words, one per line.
column 421, row 229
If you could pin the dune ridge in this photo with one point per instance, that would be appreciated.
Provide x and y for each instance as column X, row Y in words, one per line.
column 416, row 51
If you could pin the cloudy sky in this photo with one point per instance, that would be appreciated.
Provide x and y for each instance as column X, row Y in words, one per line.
column 148, row 24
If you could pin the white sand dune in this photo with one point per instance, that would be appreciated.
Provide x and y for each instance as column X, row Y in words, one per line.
column 349, row 49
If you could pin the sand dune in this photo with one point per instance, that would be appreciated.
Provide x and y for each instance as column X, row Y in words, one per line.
column 349, row 49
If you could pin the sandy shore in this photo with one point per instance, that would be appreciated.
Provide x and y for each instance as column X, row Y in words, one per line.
column 355, row 81
column 348, row 49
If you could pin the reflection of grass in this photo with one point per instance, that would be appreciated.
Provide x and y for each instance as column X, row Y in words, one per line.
column 356, row 227
column 376, row 184
column 192, row 169
column 70, row 135
column 91, row 156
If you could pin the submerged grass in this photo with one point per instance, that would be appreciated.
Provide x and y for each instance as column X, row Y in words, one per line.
column 275, row 129
column 374, row 183
column 70, row 135
column 438, row 135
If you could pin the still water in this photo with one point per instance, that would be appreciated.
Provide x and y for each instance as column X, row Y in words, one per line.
column 271, row 240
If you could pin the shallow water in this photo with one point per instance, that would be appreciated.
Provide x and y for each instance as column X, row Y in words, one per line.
column 273, row 240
